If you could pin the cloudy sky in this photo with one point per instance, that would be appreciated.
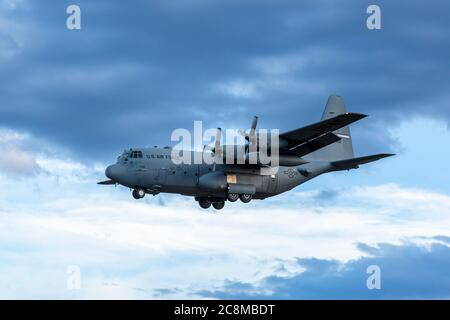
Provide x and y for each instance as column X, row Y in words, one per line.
column 71, row 100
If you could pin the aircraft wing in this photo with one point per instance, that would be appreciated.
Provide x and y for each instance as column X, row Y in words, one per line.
column 312, row 145
column 305, row 134
column 355, row 162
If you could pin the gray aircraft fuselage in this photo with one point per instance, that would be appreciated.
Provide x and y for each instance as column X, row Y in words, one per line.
column 156, row 172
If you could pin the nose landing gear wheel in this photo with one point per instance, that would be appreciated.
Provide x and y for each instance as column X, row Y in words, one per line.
column 205, row 204
column 218, row 205
column 232, row 197
column 245, row 198
column 138, row 193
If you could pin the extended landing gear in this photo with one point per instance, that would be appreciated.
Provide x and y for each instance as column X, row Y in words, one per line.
column 138, row 193
column 245, row 198
column 232, row 197
column 218, row 205
column 205, row 203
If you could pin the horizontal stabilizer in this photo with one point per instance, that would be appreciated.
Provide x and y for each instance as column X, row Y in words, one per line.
column 317, row 129
column 107, row 182
column 314, row 144
column 355, row 162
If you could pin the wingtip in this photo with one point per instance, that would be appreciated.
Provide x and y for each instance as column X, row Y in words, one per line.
column 386, row 155
column 362, row 115
column 357, row 114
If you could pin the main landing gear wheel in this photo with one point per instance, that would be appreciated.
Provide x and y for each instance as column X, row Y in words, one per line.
column 245, row 198
column 138, row 193
column 205, row 204
column 232, row 197
column 218, row 205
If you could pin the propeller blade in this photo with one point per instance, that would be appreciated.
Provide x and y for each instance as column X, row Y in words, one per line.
column 217, row 147
column 252, row 129
column 252, row 134
column 254, row 123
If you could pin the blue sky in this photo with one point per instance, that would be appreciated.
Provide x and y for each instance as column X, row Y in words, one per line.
column 72, row 100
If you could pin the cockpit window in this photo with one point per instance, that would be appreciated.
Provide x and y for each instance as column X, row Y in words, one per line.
column 136, row 154
column 129, row 154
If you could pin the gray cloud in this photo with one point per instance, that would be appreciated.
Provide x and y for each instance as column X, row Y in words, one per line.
column 444, row 239
column 134, row 73
column 407, row 272
column 326, row 196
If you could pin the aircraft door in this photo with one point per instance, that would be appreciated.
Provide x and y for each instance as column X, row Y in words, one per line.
column 270, row 184
column 148, row 177
column 141, row 173
column 190, row 174
column 162, row 176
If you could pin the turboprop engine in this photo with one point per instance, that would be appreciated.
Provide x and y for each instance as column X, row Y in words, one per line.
column 261, row 148
column 215, row 180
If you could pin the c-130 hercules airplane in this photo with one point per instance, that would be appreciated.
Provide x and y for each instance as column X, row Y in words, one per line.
column 303, row 154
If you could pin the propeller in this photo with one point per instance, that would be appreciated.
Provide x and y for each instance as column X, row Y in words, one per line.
column 217, row 149
column 251, row 136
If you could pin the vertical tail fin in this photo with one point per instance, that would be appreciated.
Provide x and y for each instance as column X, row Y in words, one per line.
column 342, row 149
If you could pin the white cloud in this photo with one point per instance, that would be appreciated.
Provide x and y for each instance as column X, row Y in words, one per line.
column 238, row 89
column 11, row 4
column 130, row 248
column 276, row 65
column 12, row 32
column 258, row 87
column 14, row 160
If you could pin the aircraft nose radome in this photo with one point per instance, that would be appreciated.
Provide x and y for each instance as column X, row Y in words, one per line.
column 115, row 171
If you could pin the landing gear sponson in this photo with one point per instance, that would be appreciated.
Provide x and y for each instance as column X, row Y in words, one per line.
column 218, row 203
column 204, row 202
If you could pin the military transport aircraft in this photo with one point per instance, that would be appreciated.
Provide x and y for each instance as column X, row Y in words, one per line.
column 303, row 154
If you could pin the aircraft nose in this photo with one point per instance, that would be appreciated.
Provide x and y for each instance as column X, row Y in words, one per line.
column 115, row 172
